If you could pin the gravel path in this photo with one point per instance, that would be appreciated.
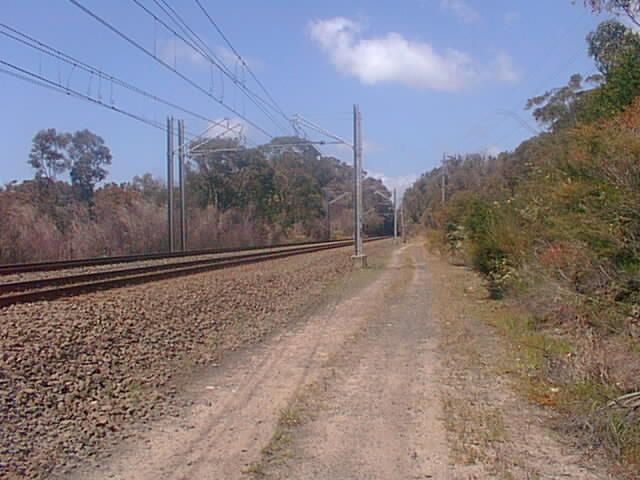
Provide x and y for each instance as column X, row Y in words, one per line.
column 382, row 417
column 74, row 373
column 238, row 405
column 399, row 379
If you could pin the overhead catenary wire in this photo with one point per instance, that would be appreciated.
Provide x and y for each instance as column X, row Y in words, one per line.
column 199, row 46
column 55, row 53
column 540, row 77
column 167, row 66
column 204, row 47
column 244, row 63
column 41, row 81
column 32, row 77
column 205, row 52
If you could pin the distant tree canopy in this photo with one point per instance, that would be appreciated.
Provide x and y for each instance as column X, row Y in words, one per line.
column 235, row 196
column 630, row 8
column 286, row 181
column 616, row 52
column 87, row 155
column 47, row 155
column 558, row 107
column 82, row 153
column 609, row 43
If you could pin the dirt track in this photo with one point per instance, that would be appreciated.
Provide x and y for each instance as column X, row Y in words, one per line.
column 354, row 392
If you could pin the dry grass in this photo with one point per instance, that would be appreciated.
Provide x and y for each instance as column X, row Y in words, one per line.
column 498, row 366
column 573, row 372
column 565, row 353
column 309, row 401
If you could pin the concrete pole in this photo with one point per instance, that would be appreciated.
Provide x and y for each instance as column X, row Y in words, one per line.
column 395, row 217
column 404, row 232
column 359, row 257
column 170, row 182
column 328, row 219
column 183, row 225
column 444, row 174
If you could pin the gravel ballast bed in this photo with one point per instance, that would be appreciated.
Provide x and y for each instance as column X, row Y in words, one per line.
column 75, row 373
column 108, row 267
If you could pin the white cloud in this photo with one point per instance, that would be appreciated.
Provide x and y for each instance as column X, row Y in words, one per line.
column 511, row 17
column 399, row 182
column 504, row 69
column 461, row 9
column 175, row 50
column 227, row 128
column 493, row 150
column 226, row 55
column 231, row 60
column 369, row 146
column 391, row 58
column 345, row 152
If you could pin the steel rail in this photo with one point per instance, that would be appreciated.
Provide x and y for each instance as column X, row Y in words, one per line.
column 14, row 268
column 97, row 281
column 91, row 276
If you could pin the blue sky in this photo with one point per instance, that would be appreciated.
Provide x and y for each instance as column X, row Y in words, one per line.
column 430, row 76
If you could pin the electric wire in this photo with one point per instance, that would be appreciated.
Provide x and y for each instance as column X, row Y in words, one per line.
column 228, row 42
column 167, row 66
column 200, row 47
column 469, row 134
column 55, row 53
column 207, row 54
column 196, row 43
column 36, row 79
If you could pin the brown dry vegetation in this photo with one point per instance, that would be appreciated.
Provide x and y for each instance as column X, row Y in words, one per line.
column 554, row 228
column 246, row 197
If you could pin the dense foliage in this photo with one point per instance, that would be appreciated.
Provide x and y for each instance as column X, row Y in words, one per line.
column 555, row 224
column 235, row 197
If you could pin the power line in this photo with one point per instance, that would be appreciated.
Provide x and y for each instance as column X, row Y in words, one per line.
column 198, row 45
column 167, row 66
column 205, row 52
column 539, row 76
column 55, row 53
column 228, row 42
column 39, row 80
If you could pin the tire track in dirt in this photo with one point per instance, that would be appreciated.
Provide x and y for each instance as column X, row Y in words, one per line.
column 238, row 404
column 382, row 417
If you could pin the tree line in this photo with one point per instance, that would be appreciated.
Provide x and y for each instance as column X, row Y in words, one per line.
column 554, row 226
column 235, row 196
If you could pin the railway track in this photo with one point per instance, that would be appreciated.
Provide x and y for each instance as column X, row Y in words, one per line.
column 55, row 287
column 16, row 268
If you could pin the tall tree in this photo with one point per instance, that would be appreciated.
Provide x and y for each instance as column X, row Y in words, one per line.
column 88, row 155
column 610, row 42
column 47, row 155
column 557, row 107
column 630, row 8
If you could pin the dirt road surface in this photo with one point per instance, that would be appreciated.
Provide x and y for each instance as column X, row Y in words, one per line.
column 354, row 392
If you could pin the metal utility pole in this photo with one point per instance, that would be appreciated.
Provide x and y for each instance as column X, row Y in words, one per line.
column 359, row 257
column 183, row 231
column 170, row 182
column 444, row 174
column 404, row 234
column 329, row 203
column 328, row 219
column 395, row 217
